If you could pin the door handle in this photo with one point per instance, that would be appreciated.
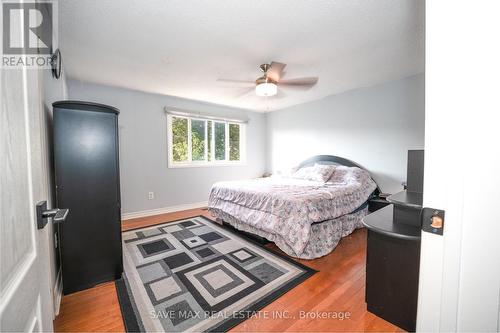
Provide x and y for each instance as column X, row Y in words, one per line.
column 43, row 214
column 432, row 220
column 58, row 215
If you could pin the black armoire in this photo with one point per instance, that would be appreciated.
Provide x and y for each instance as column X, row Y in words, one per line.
column 87, row 182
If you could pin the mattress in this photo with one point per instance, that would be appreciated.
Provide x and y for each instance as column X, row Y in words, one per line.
column 284, row 210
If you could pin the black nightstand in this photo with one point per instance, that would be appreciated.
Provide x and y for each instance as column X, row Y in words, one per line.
column 393, row 259
column 377, row 203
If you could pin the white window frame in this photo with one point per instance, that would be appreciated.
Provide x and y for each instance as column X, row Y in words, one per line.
column 206, row 163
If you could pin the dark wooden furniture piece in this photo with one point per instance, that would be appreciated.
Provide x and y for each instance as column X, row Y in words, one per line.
column 377, row 203
column 329, row 160
column 393, row 251
column 87, row 182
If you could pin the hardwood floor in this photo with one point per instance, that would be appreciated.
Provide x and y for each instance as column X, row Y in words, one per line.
column 338, row 287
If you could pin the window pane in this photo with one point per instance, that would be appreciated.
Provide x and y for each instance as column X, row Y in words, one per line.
column 197, row 140
column 220, row 141
column 179, row 139
column 209, row 128
column 234, row 142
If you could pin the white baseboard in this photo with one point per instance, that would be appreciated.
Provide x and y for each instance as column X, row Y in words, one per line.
column 163, row 210
column 58, row 291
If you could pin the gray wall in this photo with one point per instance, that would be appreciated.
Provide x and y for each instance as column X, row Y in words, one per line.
column 143, row 147
column 372, row 126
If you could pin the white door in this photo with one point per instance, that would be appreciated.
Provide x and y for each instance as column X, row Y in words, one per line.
column 460, row 271
column 26, row 302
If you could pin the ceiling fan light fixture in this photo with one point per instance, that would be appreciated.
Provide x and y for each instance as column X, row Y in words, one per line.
column 266, row 89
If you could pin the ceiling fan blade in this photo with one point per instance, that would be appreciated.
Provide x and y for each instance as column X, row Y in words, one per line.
column 237, row 81
column 300, row 83
column 275, row 71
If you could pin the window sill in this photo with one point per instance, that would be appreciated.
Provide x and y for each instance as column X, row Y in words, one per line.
column 205, row 165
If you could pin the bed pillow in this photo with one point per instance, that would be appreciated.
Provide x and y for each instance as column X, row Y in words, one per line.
column 317, row 173
column 343, row 173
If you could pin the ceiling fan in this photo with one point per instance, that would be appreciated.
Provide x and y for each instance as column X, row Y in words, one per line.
column 267, row 84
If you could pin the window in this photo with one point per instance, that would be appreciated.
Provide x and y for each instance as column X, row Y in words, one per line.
column 180, row 139
column 202, row 142
column 234, row 142
column 220, row 141
column 198, row 139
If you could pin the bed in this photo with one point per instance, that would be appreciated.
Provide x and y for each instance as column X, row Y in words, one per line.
column 304, row 214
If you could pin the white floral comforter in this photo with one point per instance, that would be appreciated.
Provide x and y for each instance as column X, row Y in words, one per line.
column 284, row 208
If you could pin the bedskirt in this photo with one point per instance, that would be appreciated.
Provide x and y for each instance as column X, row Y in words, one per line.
column 323, row 238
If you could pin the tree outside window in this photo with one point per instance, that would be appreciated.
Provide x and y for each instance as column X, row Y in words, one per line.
column 201, row 142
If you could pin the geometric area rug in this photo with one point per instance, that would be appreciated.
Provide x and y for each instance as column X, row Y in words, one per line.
column 195, row 275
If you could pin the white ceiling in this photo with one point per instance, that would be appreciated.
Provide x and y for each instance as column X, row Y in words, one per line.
column 181, row 47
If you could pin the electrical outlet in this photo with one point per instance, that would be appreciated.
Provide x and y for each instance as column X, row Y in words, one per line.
column 151, row 195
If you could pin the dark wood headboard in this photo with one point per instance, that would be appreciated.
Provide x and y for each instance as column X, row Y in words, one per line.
column 329, row 159
column 334, row 160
